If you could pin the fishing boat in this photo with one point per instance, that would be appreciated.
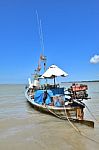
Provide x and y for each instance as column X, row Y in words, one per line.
column 66, row 104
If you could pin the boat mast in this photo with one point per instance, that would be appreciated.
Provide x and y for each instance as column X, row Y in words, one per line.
column 42, row 57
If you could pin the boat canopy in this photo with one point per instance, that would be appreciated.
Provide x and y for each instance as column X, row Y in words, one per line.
column 54, row 71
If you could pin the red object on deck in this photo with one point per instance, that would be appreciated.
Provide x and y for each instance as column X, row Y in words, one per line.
column 78, row 87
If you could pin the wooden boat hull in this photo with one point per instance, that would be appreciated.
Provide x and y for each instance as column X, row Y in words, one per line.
column 60, row 112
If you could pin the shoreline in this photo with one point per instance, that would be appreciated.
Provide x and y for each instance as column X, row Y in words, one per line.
column 80, row 81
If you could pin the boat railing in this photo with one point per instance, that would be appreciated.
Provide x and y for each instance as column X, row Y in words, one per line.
column 49, row 86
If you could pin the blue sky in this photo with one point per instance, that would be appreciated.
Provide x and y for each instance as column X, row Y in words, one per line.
column 70, row 33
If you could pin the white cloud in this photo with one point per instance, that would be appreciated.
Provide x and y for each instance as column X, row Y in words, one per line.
column 94, row 59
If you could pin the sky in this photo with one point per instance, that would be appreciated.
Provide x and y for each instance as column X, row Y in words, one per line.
column 70, row 30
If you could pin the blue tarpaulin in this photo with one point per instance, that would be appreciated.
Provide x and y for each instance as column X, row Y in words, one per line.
column 38, row 97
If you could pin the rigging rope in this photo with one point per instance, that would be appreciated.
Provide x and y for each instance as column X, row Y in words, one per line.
column 88, row 110
column 40, row 32
column 70, row 121
column 91, row 114
column 80, row 132
column 53, row 113
column 76, row 129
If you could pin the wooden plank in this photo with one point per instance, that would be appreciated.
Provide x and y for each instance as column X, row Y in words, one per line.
column 85, row 122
